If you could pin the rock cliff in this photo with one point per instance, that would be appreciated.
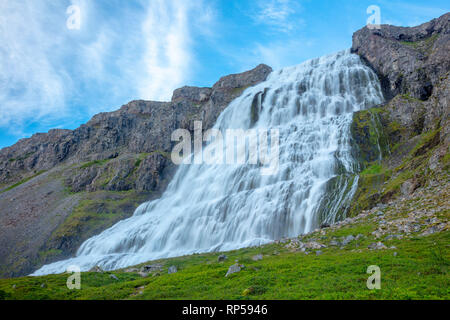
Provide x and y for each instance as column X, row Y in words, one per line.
column 411, row 130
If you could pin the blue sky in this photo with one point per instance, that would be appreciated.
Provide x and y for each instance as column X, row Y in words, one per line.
column 55, row 77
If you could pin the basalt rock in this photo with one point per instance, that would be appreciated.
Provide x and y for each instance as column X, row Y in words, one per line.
column 407, row 60
column 409, row 133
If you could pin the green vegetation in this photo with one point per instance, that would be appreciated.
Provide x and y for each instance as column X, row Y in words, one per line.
column 239, row 91
column 22, row 181
column 424, row 45
column 370, row 186
column 446, row 162
column 374, row 134
column 43, row 255
column 98, row 211
column 94, row 163
column 378, row 183
column 165, row 154
column 370, row 136
column 419, row 271
column 374, row 169
column 408, row 97
column 23, row 157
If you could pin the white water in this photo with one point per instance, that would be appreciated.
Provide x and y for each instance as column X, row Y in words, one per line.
column 222, row 207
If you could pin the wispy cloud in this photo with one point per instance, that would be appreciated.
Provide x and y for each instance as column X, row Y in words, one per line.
column 31, row 84
column 50, row 74
column 167, row 56
column 279, row 14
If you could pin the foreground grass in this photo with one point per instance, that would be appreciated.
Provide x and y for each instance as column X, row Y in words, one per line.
column 419, row 270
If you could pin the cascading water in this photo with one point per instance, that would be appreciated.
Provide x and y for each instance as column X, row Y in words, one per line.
column 223, row 207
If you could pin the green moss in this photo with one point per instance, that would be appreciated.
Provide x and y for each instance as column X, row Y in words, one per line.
column 99, row 211
column 393, row 186
column 446, row 161
column 407, row 96
column 424, row 46
column 337, row 200
column 165, row 154
column 371, row 141
column 370, row 188
column 23, row 181
column 137, row 163
column 374, row 169
column 49, row 253
column 239, row 91
column 428, row 141
column 94, row 163
column 23, row 157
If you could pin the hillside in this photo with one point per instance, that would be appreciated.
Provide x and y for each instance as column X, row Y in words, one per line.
column 408, row 240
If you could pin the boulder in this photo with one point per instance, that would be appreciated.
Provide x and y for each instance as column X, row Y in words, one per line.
column 393, row 237
column 96, row 269
column 313, row 245
column 235, row 268
column 172, row 269
column 348, row 239
column 258, row 257
column 113, row 276
column 377, row 246
column 152, row 268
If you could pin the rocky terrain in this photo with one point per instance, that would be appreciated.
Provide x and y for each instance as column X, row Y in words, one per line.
column 60, row 188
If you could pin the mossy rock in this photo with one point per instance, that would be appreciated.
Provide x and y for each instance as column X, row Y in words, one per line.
column 370, row 140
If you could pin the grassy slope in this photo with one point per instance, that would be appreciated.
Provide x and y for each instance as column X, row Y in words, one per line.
column 418, row 271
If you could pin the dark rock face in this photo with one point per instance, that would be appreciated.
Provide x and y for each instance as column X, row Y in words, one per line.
column 413, row 65
column 407, row 60
column 73, row 184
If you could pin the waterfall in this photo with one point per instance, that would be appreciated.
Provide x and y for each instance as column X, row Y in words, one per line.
column 209, row 207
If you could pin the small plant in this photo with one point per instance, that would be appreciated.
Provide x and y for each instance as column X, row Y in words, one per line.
column 438, row 260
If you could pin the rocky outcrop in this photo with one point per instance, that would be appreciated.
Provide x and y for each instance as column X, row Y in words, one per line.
column 407, row 60
column 59, row 188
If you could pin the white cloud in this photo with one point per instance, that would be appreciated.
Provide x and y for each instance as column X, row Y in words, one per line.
column 167, row 56
column 31, row 84
column 141, row 50
column 279, row 14
column 277, row 54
